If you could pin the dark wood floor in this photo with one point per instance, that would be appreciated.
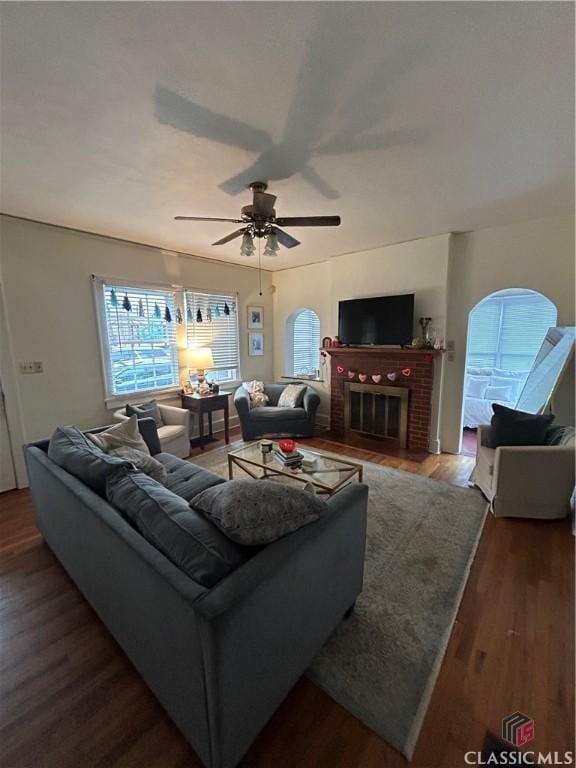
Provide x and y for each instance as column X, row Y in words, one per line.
column 71, row 699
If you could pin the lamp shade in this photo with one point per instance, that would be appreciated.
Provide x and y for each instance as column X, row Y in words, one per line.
column 201, row 357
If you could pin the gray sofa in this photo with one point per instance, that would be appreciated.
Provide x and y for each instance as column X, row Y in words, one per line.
column 272, row 420
column 220, row 660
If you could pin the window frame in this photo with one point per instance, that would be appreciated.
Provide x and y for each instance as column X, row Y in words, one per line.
column 181, row 335
column 226, row 295
column 289, row 345
column 110, row 397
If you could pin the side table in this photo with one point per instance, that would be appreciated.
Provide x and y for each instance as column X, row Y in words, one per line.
column 201, row 404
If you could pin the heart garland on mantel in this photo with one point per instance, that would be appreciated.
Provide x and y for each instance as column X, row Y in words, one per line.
column 376, row 377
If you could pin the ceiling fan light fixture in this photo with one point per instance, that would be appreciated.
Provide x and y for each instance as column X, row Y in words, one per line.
column 247, row 248
column 272, row 246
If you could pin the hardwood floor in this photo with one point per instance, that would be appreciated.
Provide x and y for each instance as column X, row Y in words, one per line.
column 71, row 699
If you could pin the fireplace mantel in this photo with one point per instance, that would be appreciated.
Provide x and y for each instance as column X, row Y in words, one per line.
column 348, row 363
column 336, row 351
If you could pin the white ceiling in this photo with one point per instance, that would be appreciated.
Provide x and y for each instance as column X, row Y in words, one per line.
column 407, row 119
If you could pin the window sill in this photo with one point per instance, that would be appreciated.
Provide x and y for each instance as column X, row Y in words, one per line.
column 302, row 378
column 115, row 401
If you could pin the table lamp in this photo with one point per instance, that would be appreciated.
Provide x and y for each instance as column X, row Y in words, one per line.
column 200, row 359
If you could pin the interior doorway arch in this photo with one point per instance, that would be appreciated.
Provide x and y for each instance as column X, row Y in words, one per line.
column 505, row 331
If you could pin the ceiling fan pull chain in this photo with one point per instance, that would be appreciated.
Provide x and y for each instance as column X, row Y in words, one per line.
column 260, row 265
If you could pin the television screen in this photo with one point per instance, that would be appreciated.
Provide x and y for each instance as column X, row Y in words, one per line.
column 381, row 320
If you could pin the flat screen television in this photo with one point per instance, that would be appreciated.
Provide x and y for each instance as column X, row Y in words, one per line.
column 381, row 320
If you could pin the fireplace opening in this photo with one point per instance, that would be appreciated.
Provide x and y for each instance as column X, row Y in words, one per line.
column 377, row 411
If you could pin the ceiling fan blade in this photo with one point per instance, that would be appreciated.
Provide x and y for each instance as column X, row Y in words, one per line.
column 231, row 236
column 285, row 239
column 309, row 221
column 205, row 218
column 264, row 203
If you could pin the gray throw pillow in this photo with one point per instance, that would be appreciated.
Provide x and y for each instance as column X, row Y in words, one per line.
column 70, row 449
column 258, row 512
column 143, row 462
column 512, row 427
column 146, row 411
column 292, row 396
column 164, row 519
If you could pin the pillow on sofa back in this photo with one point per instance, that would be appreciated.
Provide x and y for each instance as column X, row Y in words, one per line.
column 166, row 520
column 146, row 411
column 258, row 513
column 71, row 450
column 511, row 427
column 123, row 435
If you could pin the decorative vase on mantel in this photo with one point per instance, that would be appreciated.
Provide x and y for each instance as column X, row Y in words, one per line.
column 426, row 331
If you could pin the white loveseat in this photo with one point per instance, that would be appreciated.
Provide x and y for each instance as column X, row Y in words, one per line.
column 174, row 434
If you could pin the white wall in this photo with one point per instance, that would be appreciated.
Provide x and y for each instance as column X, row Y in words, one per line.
column 537, row 254
column 449, row 275
column 51, row 314
column 418, row 267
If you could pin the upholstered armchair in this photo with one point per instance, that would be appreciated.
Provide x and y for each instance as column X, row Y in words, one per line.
column 525, row 480
column 273, row 420
column 173, row 433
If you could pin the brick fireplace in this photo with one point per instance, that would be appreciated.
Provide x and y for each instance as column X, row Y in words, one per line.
column 367, row 362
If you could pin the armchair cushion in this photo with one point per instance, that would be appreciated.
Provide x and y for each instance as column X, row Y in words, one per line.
column 173, row 416
column 511, row 427
column 275, row 413
column 146, row 410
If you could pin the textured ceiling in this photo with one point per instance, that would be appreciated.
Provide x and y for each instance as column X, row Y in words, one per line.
column 407, row 119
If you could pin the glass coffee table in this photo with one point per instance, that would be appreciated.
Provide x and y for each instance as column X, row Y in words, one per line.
column 329, row 475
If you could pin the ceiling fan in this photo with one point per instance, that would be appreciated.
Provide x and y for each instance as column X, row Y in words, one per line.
column 259, row 220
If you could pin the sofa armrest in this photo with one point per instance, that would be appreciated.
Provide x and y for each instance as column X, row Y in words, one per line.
column 280, row 557
column 311, row 401
column 541, row 472
column 173, row 416
column 483, row 436
column 263, row 625
column 242, row 401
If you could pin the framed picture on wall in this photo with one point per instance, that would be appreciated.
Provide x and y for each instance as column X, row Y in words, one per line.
column 255, row 317
column 255, row 344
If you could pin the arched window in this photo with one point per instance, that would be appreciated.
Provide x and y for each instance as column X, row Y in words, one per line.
column 302, row 343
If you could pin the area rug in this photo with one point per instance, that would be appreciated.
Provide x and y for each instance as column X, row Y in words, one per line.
column 382, row 663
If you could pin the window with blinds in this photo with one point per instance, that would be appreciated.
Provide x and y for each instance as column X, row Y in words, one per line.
column 507, row 329
column 212, row 321
column 138, row 329
column 304, row 343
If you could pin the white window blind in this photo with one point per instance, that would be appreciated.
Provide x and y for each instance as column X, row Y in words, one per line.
column 212, row 321
column 305, row 343
column 506, row 331
column 138, row 338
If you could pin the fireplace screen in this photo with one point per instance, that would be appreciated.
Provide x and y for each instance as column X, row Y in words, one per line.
column 377, row 411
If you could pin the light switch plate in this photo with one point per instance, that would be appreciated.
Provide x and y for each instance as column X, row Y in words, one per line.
column 32, row 367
